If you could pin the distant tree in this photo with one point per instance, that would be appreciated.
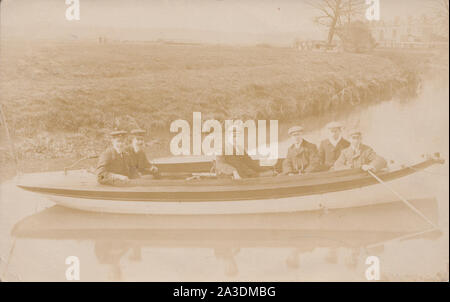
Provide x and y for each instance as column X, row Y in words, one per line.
column 335, row 13
column 356, row 37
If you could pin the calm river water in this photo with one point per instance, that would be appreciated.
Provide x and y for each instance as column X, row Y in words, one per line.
column 36, row 237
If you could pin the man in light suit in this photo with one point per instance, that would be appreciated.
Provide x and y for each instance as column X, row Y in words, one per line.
column 330, row 149
column 359, row 156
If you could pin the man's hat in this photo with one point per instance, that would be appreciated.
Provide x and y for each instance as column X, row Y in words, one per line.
column 138, row 132
column 118, row 133
column 333, row 125
column 355, row 131
column 295, row 129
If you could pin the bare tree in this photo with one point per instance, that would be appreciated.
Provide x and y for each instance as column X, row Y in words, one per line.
column 352, row 9
column 333, row 13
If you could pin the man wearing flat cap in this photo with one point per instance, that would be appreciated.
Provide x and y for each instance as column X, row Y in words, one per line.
column 330, row 149
column 359, row 156
column 114, row 165
column 139, row 160
column 302, row 156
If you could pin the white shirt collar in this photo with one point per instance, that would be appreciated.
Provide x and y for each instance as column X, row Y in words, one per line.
column 118, row 151
column 355, row 149
column 297, row 145
column 335, row 142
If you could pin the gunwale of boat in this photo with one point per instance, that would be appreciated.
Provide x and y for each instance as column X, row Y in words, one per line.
column 245, row 189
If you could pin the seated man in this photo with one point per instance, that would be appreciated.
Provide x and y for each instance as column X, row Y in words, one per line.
column 239, row 164
column 302, row 156
column 359, row 155
column 139, row 160
column 330, row 149
column 115, row 164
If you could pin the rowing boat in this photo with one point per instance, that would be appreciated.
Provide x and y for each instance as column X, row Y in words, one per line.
column 333, row 189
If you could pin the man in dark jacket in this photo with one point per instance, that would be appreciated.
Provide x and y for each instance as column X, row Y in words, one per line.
column 330, row 149
column 302, row 157
column 115, row 164
column 238, row 164
column 139, row 160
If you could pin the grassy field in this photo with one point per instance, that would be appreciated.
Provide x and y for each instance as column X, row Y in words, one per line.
column 61, row 98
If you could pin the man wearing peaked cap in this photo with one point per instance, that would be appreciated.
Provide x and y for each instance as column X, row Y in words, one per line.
column 295, row 129
column 302, row 156
column 330, row 149
column 358, row 155
column 333, row 125
column 114, row 165
column 355, row 131
column 139, row 159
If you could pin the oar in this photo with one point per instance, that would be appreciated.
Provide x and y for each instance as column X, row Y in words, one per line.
column 415, row 210
column 400, row 238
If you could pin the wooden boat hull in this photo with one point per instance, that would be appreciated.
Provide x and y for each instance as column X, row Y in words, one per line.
column 336, row 200
column 339, row 189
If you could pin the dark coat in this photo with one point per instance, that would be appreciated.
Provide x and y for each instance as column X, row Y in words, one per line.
column 243, row 164
column 304, row 159
column 139, row 161
column 111, row 162
column 350, row 159
column 328, row 153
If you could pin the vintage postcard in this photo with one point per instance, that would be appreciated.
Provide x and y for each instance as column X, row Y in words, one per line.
column 224, row 140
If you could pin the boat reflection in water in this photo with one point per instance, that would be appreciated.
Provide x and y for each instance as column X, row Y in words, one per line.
column 165, row 246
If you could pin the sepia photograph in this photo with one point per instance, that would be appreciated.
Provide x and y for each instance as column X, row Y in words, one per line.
column 224, row 141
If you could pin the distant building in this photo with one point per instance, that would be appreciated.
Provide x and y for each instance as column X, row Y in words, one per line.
column 407, row 31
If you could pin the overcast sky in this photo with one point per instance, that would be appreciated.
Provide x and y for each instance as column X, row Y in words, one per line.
column 46, row 18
